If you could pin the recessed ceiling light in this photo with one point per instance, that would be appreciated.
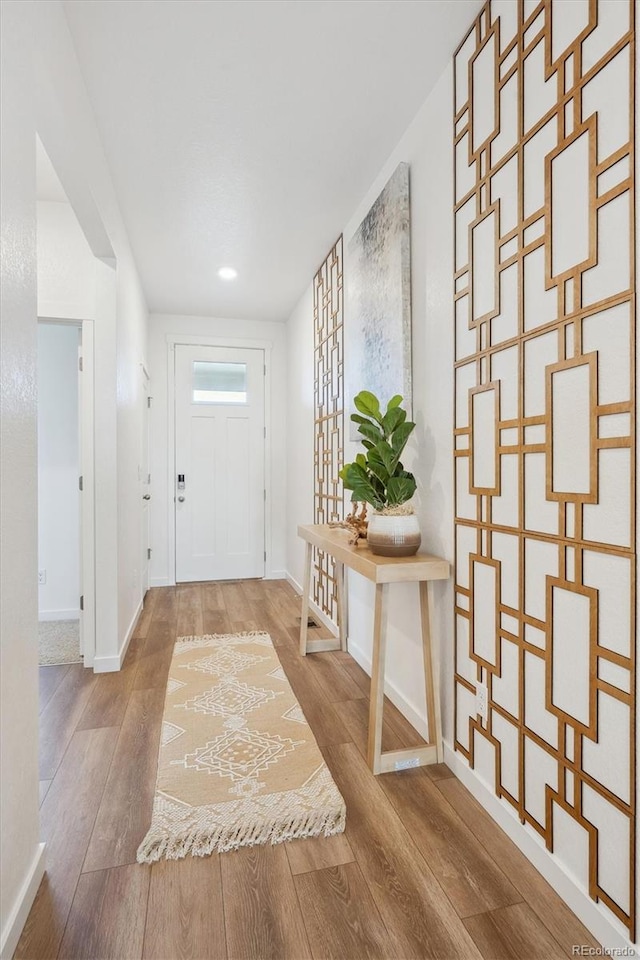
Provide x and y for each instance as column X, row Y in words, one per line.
column 227, row 273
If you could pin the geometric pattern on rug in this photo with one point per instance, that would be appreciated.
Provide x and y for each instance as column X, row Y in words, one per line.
column 240, row 754
column 295, row 713
column 225, row 663
column 229, row 698
column 184, row 644
column 170, row 732
column 58, row 642
column 263, row 782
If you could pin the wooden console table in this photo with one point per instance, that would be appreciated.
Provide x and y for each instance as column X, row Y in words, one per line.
column 382, row 571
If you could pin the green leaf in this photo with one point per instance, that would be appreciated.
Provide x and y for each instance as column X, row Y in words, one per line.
column 361, row 460
column 400, row 489
column 344, row 476
column 368, row 404
column 377, row 467
column 367, row 444
column 358, row 473
column 387, row 455
column 394, row 402
column 377, row 484
column 370, row 431
column 352, row 474
column 392, row 420
column 358, row 419
column 401, row 435
column 364, row 491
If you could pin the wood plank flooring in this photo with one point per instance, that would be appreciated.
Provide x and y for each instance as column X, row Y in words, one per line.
column 420, row 872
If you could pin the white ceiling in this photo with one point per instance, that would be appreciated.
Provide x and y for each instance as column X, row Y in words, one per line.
column 244, row 132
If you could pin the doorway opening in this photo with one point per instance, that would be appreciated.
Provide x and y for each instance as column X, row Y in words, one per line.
column 65, row 553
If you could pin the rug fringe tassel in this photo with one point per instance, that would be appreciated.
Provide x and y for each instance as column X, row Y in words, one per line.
column 222, row 838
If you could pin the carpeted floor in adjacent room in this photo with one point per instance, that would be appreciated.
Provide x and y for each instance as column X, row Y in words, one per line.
column 59, row 642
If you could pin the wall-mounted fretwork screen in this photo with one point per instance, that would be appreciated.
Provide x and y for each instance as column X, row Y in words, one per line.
column 329, row 417
column 545, row 426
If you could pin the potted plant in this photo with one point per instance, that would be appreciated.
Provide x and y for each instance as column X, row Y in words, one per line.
column 378, row 477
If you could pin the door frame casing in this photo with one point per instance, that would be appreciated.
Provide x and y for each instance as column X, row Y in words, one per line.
column 86, row 469
column 266, row 346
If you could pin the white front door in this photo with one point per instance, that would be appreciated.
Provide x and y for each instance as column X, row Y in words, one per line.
column 219, row 463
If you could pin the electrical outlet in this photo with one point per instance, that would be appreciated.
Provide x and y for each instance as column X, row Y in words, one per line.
column 482, row 701
column 42, row 576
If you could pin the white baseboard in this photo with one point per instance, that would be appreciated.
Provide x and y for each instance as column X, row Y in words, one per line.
column 314, row 609
column 113, row 664
column 106, row 664
column 59, row 614
column 18, row 916
column 166, row 582
column 293, row 582
column 160, row 582
column 585, row 909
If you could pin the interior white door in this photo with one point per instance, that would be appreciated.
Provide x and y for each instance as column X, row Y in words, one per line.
column 80, row 498
column 145, row 485
column 219, row 463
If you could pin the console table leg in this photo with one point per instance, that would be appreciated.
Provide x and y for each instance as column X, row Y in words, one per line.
column 304, row 613
column 431, row 674
column 376, row 695
column 342, row 607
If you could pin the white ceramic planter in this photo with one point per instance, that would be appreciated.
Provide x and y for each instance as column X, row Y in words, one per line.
column 394, row 536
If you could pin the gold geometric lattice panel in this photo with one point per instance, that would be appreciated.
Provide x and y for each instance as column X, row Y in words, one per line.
column 329, row 417
column 545, row 426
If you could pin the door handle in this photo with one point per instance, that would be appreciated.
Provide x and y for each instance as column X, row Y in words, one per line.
column 147, row 496
column 181, row 499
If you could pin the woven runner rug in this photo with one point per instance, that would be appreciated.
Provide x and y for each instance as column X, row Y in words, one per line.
column 238, row 764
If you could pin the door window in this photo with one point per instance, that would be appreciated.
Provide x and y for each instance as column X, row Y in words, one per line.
column 217, row 382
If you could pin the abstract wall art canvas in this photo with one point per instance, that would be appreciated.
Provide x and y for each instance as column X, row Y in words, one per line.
column 378, row 298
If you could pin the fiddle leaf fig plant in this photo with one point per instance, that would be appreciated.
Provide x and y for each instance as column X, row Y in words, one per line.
column 377, row 476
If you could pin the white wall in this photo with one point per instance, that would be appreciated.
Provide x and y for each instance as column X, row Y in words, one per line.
column 66, row 265
column 591, row 835
column 58, row 471
column 430, row 449
column 73, row 283
column 22, row 862
column 300, row 415
column 131, row 352
column 427, row 147
column 43, row 92
column 161, row 326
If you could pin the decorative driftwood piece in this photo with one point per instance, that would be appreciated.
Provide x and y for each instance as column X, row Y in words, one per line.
column 356, row 523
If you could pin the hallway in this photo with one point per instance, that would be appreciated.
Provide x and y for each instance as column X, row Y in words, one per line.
column 421, row 871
